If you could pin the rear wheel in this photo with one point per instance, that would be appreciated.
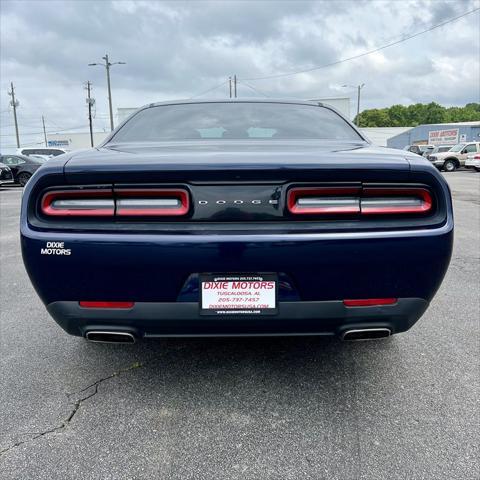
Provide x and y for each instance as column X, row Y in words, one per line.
column 23, row 178
column 450, row 166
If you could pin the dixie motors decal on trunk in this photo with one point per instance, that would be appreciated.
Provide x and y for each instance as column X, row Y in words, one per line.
column 246, row 294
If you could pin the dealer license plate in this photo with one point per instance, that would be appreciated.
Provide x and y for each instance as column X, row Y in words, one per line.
column 245, row 294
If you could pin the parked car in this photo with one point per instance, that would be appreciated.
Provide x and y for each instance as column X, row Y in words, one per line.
column 43, row 152
column 419, row 149
column 455, row 157
column 6, row 175
column 473, row 161
column 242, row 217
column 439, row 149
column 22, row 167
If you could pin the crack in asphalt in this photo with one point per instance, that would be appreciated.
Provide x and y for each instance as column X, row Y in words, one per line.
column 75, row 407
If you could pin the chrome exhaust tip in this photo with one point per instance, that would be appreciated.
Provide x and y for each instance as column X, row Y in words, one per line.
column 109, row 337
column 366, row 334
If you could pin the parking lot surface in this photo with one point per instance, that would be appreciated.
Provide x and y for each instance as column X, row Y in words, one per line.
column 248, row 408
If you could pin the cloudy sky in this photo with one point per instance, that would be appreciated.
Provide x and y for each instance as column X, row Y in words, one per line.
column 177, row 49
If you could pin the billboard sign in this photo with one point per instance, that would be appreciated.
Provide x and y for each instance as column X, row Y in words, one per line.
column 443, row 137
column 58, row 143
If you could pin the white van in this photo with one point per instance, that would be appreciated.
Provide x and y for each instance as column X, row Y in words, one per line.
column 42, row 152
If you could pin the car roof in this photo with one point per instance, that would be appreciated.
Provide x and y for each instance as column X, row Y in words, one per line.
column 237, row 100
column 41, row 148
column 25, row 157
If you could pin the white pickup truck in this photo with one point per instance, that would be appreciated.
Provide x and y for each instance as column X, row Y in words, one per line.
column 455, row 157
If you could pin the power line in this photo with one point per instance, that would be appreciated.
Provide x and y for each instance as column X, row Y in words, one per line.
column 243, row 82
column 364, row 54
column 66, row 130
column 209, row 90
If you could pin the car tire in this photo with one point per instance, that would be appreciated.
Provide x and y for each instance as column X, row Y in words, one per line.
column 450, row 166
column 23, row 178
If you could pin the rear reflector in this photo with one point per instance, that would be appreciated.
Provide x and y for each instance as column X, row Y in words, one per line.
column 351, row 200
column 369, row 302
column 152, row 202
column 79, row 203
column 328, row 200
column 87, row 304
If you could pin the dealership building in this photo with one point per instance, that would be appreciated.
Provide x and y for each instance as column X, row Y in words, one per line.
column 437, row 134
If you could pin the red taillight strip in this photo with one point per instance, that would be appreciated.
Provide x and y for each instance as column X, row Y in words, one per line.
column 351, row 200
column 88, row 304
column 335, row 205
column 369, row 302
column 125, row 202
column 126, row 208
column 48, row 206
column 382, row 205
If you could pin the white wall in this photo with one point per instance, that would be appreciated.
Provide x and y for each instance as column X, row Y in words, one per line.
column 342, row 104
column 379, row 135
column 74, row 141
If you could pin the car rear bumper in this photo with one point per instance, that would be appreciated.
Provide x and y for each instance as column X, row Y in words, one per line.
column 472, row 163
column 160, row 274
column 177, row 319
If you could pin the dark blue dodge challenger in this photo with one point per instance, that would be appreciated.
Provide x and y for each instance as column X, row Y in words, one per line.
column 236, row 217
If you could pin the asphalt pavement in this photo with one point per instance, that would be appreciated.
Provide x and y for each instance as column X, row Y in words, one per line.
column 263, row 408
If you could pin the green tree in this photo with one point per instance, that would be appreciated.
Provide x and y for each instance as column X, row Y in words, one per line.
column 418, row 114
column 398, row 115
column 434, row 113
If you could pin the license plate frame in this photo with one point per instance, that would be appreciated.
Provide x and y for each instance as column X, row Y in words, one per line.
column 242, row 307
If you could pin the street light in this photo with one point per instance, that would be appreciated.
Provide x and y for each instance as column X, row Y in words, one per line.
column 358, row 87
column 107, row 66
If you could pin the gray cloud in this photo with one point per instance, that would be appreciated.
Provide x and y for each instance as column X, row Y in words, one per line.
column 177, row 49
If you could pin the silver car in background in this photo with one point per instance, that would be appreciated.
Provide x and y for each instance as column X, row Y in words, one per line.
column 473, row 161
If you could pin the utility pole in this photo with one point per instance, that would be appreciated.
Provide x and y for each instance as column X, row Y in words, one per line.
column 44, row 132
column 359, row 88
column 230, row 86
column 90, row 102
column 358, row 103
column 107, row 66
column 14, row 103
column 235, row 86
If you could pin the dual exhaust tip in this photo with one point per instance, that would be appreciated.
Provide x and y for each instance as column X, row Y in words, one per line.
column 110, row 337
column 347, row 335
column 365, row 334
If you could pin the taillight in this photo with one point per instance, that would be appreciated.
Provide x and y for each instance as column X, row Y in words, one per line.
column 328, row 200
column 78, row 203
column 395, row 200
column 362, row 201
column 152, row 202
column 158, row 202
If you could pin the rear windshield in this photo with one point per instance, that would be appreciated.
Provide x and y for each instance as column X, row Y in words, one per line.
column 236, row 121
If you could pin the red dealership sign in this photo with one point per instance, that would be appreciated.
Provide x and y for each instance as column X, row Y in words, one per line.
column 443, row 137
